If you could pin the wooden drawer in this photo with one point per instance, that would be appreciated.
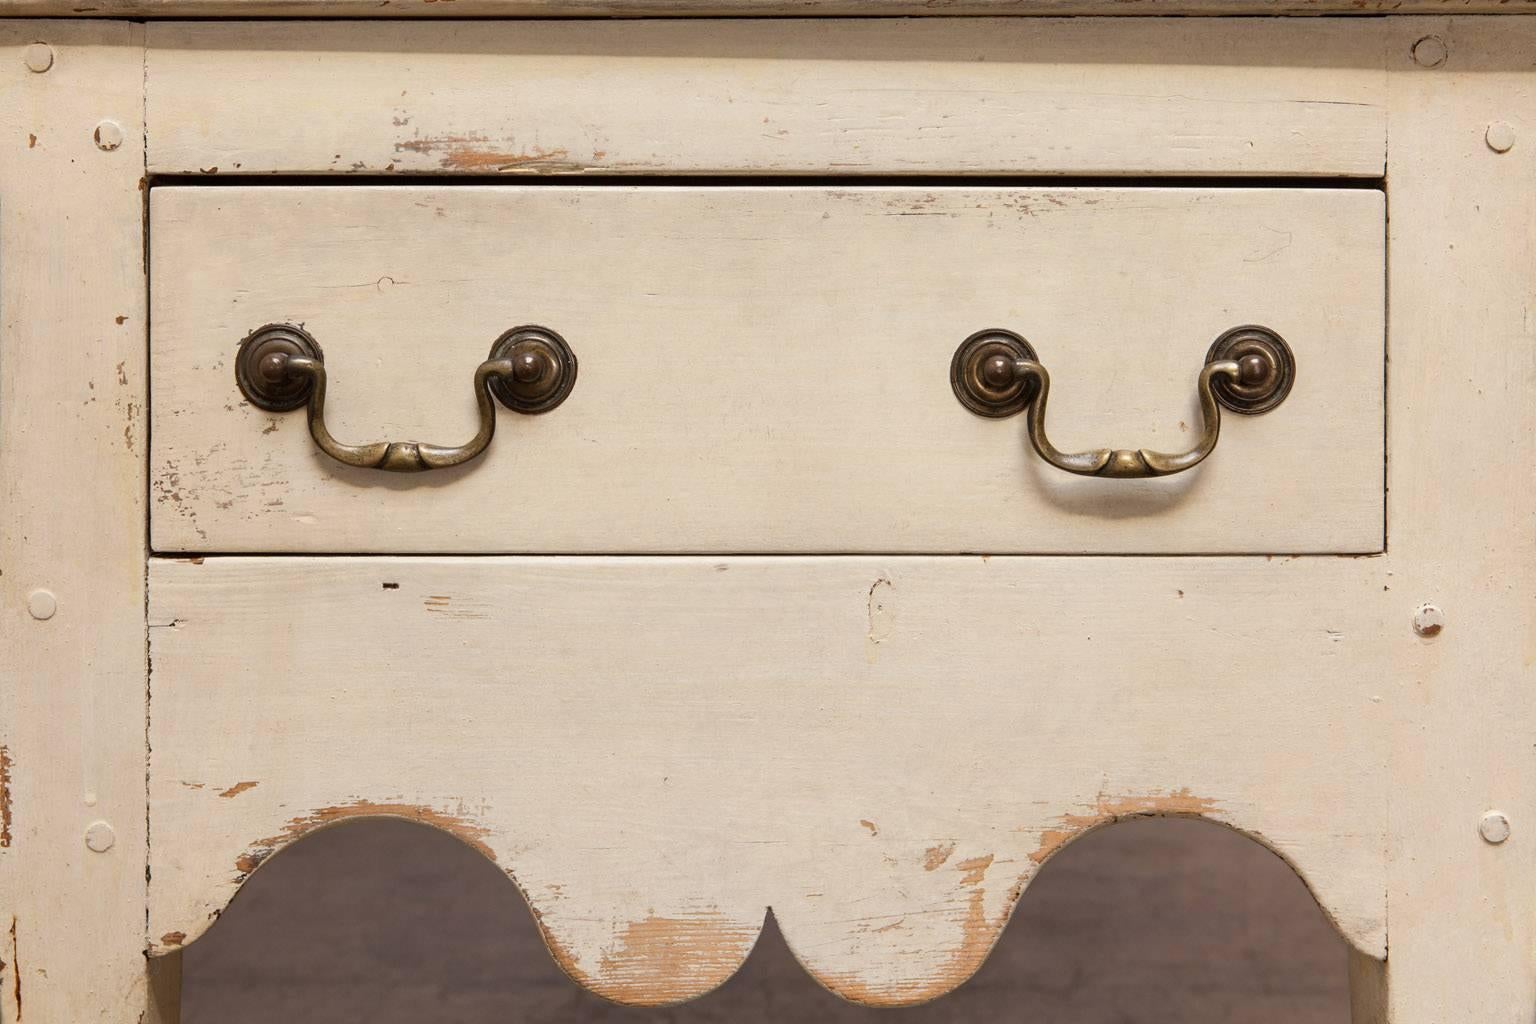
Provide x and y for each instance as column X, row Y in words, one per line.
column 767, row 368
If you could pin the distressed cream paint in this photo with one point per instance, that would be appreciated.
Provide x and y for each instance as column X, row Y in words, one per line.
column 883, row 747
column 73, row 439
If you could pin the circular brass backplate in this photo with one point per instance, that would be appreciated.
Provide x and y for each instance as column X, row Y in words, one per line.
column 288, row 392
column 1258, row 396
column 975, row 391
column 556, row 369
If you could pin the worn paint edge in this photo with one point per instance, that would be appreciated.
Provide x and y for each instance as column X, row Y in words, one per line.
column 666, row 959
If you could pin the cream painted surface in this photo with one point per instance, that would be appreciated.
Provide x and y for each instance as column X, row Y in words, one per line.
column 767, row 369
column 72, row 458
column 882, row 750
column 896, row 96
column 1463, row 440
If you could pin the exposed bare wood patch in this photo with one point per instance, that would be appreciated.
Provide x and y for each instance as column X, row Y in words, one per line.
column 974, row 870
column 657, row 961
column 935, row 856
column 443, row 604
column 5, row 796
column 475, row 153
column 1107, row 810
column 237, row 789
column 469, row 831
column 173, row 938
column 978, row 933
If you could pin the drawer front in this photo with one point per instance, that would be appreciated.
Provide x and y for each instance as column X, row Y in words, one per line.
column 766, row 368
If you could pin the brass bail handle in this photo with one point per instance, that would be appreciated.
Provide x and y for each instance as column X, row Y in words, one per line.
column 530, row 370
column 1248, row 370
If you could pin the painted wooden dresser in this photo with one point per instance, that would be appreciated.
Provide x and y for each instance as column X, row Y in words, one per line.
column 765, row 578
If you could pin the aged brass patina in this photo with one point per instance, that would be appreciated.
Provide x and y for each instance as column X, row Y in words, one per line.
column 530, row 370
column 1248, row 370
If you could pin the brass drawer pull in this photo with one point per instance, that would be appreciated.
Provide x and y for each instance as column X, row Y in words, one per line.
column 1248, row 370
column 530, row 370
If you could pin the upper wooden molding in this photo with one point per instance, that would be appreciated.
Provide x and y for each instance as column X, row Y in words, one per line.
column 738, row 8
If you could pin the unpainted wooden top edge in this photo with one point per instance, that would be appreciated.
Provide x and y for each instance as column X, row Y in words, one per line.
column 738, row 8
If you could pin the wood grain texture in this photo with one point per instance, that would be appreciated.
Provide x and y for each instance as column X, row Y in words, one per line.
column 964, row 97
column 730, row 8
column 72, row 448
column 767, row 369
column 1463, row 439
column 883, row 750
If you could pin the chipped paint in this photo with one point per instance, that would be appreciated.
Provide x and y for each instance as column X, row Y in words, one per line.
column 5, row 796
column 443, row 604
column 880, row 615
column 658, row 961
column 935, row 856
column 1108, row 810
column 474, row 152
column 978, row 934
column 874, row 829
column 469, row 831
column 978, row 931
column 237, row 789
column 173, row 938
